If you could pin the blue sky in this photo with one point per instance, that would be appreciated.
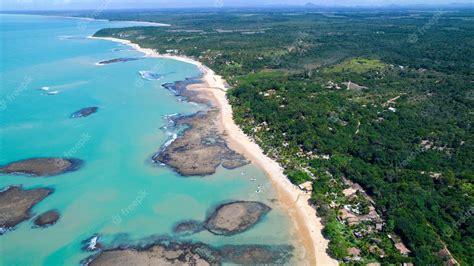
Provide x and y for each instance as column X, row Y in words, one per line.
column 91, row 4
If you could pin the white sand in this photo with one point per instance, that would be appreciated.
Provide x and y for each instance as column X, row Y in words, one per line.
column 307, row 223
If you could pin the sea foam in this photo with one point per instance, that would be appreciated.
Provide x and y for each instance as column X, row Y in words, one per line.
column 150, row 75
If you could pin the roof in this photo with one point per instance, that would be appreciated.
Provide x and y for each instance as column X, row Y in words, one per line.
column 373, row 264
column 349, row 191
column 345, row 214
column 353, row 251
column 307, row 186
column 402, row 248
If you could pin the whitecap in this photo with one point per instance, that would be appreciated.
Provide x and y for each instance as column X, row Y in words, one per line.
column 64, row 37
column 171, row 140
column 93, row 243
column 3, row 230
column 150, row 75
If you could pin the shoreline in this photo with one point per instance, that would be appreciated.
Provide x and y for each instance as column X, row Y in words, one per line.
column 307, row 224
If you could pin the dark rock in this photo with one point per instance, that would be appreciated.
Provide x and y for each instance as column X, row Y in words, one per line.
column 188, row 228
column 84, row 112
column 159, row 254
column 118, row 60
column 179, row 88
column 235, row 217
column 169, row 252
column 42, row 166
column 200, row 149
column 256, row 254
column 46, row 219
column 16, row 203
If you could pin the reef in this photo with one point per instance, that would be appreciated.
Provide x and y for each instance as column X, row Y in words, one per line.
column 46, row 219
column 84, row 112
column 201, row 147
column 118, row 60
column 42, row 166
column 169, row 252
column 235, row 217
column 16, row 203
column 188, row 227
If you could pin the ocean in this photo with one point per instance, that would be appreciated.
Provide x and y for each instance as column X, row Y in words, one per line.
column 49, row 70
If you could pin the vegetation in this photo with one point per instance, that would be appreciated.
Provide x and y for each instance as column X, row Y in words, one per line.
column 384, row 99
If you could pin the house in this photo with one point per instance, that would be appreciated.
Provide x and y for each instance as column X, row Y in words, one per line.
column 402, row 248
column 379, row 226
column 444, row 253
column 358, row 234
column 354, row 254
column 353, row 251
column 347, row 216
column 452, row 262
column 447, row 257
column 349, row 192
column 306, row 186
column 377, row 251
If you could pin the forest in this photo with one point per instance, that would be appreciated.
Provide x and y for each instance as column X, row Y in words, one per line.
column 383, row 98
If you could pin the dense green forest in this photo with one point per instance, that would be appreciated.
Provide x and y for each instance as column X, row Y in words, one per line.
column 382, row 98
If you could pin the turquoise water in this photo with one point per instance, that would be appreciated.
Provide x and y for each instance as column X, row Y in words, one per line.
column 119, row 193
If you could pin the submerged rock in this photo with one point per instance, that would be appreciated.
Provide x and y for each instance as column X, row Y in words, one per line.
column 118, row 60
column 256, row 254
column 42, row 166
column 235, row 217
column 169, row 252
column 84, row 112
column 188, row 228
column 159, row 254
column 150, row 75
column 46, row 219
column 180, row 88
column 200, row 149
column 15, row 204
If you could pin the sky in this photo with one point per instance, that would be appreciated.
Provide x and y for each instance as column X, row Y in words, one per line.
column 91, row 4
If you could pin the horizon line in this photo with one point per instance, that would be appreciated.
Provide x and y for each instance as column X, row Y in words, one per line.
column 282, row 6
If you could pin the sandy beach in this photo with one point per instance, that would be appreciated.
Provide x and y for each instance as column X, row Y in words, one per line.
column 308, row 225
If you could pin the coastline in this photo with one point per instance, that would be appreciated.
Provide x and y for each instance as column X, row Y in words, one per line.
column 306, row 222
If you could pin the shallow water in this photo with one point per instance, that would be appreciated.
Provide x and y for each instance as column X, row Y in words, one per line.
column 119, row 193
